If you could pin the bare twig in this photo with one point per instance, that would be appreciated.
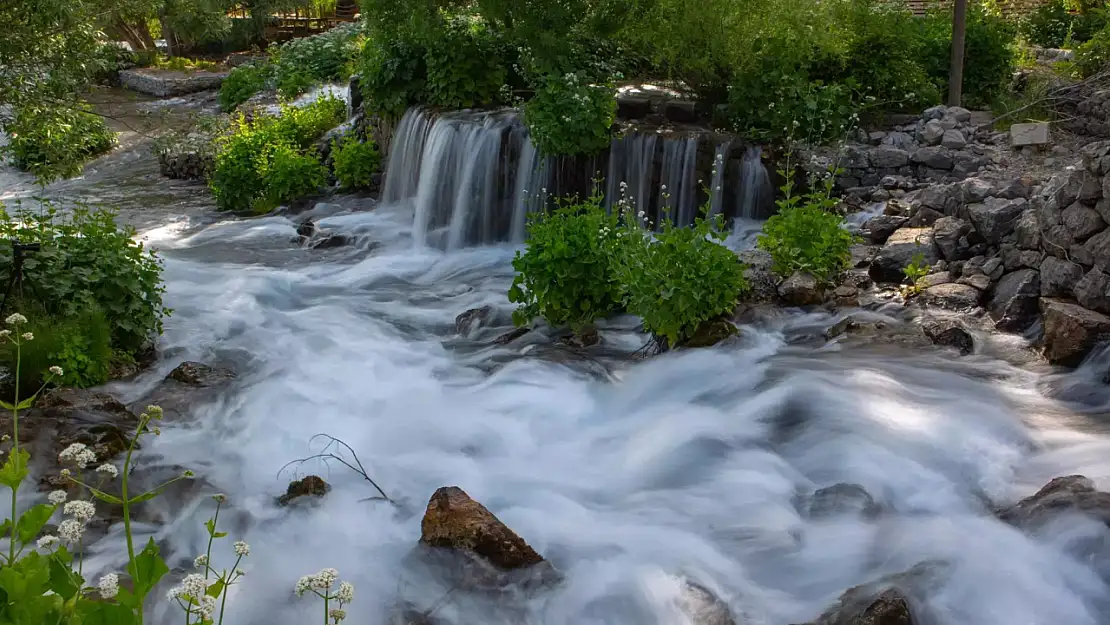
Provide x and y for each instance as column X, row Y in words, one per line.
column 326, row 455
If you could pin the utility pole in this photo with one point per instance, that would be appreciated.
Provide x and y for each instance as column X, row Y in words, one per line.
column 956, row 72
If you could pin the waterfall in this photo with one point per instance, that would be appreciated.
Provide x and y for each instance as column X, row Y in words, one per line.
column 631, row 161
column 756, row 193
column 679, row 196
column 467, row 175
column 717, row 184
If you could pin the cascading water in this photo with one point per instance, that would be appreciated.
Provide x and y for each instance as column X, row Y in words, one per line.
column 631, row 169
column 678, row 173
column 756, row 192
column 465, row 176
column 717, row 184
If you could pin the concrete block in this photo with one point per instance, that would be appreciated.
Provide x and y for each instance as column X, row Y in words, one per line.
column 1029, row 134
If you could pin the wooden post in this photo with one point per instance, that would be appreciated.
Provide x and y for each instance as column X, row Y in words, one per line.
column 956, row 71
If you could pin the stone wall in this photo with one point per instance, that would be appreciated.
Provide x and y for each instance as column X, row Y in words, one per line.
column 1025, row 253
column 170, row 84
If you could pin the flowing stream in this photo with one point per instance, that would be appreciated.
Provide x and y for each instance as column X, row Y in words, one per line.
column 624, row 473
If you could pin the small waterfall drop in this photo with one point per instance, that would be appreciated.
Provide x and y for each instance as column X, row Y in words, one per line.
column 717, row 184
column 756, row 193
column 679, row 195
column 631, row 161
column 467, row 175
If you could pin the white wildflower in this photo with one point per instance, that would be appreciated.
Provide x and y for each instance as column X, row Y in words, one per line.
column 47, row 541
column 15, row 319
column 109, row 585
column 325, row 579
column 346, row 593
column 57, row 497
column 71, row 530
column 194, row 585
column 174, row 593
column 336, row 615
column 5, row 334
column 65, row 473
column 85, row 458
column 56, row 370
column 201, row 561
column 108, row 469
column 5, row 438
column 27, row 336
column 69, row 454
column 304, row 584
column 83, row 511
column 207, row 607
column 240, row 572
column 242, row 548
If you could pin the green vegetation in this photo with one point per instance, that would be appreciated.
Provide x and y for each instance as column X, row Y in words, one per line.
column 1064, row 23
column 582, row 264
column 355, row 162
column 242, row 83
column 805, row 235
column 915, row 273
column 54, row 142
column 570, row 116
column 269, row 160
column 96, row 293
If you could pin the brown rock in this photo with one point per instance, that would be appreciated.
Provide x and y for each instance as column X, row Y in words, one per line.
column 455, row 521
column 311, row 486
column 190, row 385
column 710, row 333
column 472, row 319
column 1071, row 331
column 952, row 296
column 1074, row 493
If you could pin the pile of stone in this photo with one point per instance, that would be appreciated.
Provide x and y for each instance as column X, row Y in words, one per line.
column 1085, row 110
column 1025, row 254
column 943, row 145
column 167, row 84
column 190, row 157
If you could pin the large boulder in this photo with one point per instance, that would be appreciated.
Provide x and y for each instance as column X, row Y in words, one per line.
column 958, row 297
column 947, row 232
column 934, row 158
column 889, row 157
column 995, row 218
column 1071, row 331
column 1093, row 291
column 949, row 332
column 889, row 600
column 1028, row 231
column 1014, row 303
column 1098, row 249
column 1082, row 221
column 881, row 227
column 932, row 133
column 1059, row 277
column 842, row 499
column 455, row 521
column 190, row 385
column 801, row 289
column 899, row 251
column 762, row 281
column 1073, row 493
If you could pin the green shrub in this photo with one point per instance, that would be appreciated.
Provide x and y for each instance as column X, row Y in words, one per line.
column 288, row 174
column 301, row 63
column 81, row 345
column 355, row 162
column 804, row 235
column 392, row 75
column 774, row 106
column 263, row 162
column 568, row 115
column 1053, row 25
column 464, row 68
column 54, row 142
column 242, row 83
column 566, row 274
column 989, row 53
column 681, row 279
column 88, row 263
column 1093, row 57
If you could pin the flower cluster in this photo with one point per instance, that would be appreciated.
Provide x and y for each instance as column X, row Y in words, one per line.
column 79, row 454
column 321, row 584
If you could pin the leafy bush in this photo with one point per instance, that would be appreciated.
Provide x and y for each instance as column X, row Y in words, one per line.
column 299, row 64
column 288, row 174
column 81, row 345
column 54, row 142
column 87, row 263
column 464, row 68
column 1093, row 57
column 566, row 274
column 805, row 236
column 263, row 162
column 988, row 49
column 681, row 279
column 355, row 162
column 570, row 116
column 392, row 75
column 242, row 83
column 770, row 105
column 1053, row 25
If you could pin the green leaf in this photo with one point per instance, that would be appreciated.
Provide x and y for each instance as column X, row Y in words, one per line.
column 64, row 581
column 102, row 613
column 216, row 588
column 26, row 403
column 31, row 522
column 14, row 470
column 147, row 569
column 103, row 496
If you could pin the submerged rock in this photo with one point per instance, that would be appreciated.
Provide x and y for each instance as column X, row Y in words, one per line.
column 959, row 297
column 885, row 601
column 1071, row 331
column 842, row 499
column 801, row 289
column 703, row 607
column 472, row 319
column 949, row 333
column 455, row 521
column 1070, row 494
column 311, row 486
column 190, row 385
column 711, row 332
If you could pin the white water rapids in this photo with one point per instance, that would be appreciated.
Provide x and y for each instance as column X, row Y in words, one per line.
column 621, row 474
column 624, row 474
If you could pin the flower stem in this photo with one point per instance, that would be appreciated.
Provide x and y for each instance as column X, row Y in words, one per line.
column 227, row 584
column 15, row 450
column 211, row 537
column 132, row 565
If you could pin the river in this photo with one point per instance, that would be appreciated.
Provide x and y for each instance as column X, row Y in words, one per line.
column 623, row 473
